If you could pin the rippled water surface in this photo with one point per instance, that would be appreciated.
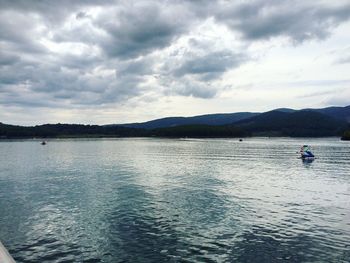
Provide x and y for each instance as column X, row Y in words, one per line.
column 162, row 200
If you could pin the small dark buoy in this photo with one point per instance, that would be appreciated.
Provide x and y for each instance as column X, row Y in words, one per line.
column 240, row 140
column 43, row 143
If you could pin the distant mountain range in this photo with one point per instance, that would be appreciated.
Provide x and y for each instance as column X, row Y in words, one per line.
column 340, row 113
column 331, row 121
column 208, row 119
column 293, row 123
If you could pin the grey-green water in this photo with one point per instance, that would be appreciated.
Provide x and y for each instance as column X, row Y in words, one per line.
column 162, row 200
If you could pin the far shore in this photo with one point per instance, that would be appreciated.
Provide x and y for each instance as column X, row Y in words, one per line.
column 160, row 137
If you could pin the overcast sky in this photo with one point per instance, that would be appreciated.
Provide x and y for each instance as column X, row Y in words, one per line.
column 105, row 61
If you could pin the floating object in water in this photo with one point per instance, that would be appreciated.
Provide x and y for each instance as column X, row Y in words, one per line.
column 5, row 257
column 240, row 140
column 306, row 153
column 43, row 143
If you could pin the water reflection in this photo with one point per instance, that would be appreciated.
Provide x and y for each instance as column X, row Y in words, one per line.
column 174, row 200
column 307, row 162
column 138, row 231
column 265, row 245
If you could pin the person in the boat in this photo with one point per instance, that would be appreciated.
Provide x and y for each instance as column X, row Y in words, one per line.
column 305, row 152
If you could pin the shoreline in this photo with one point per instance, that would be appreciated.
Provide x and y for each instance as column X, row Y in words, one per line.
column 164, row 137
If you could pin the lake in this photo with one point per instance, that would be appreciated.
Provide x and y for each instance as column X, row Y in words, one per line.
column 175, row 200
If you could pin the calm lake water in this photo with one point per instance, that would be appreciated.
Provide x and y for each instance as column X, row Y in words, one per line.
column 164, row 200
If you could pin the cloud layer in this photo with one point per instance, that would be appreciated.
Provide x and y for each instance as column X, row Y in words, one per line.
column 76, row 54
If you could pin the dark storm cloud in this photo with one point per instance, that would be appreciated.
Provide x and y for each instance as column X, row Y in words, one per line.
column 198, row 90
column 80, row 63
column 293, row 19
column 8, row 59
column 81, row 15
column 209, row 66
column 138, row 67
column 194, row 76
column 68, row 53
column 52, row 11
column 141, row 28
column 16, row 33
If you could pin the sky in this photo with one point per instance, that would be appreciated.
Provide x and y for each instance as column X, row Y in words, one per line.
column 110, row 61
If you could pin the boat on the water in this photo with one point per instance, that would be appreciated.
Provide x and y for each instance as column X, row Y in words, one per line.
column 305, row 153
column 43, row 143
